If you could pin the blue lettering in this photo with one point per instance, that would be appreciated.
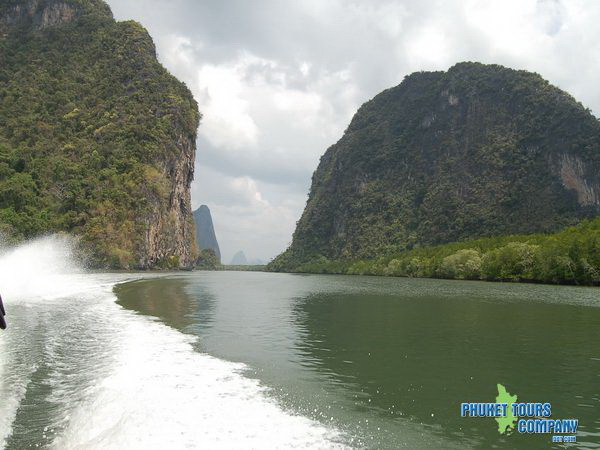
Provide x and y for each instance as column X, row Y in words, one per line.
column 515, row 409
column 541, row 426
column 546, row 410
column 464, row 407
column 570, row 425
column 558, row 426
column 473, row 409
column 488, row 409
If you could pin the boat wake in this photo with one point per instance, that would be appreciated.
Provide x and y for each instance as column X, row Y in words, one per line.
column 79, row 371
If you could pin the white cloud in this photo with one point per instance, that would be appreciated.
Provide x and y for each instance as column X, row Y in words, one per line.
column 428, row 47
column 227, row 123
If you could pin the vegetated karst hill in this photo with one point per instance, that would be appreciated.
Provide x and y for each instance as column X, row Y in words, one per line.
column 96, row 138
column 477, row 151
column 206, row 238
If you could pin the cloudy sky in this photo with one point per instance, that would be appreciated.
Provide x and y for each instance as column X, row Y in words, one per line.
column 278, row 82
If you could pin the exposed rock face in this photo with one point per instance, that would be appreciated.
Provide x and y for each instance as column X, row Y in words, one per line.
column 205, row 231
column 574, row 177
column 43, row 14
column 169, row 225
column 476, row 151
column 101, row 142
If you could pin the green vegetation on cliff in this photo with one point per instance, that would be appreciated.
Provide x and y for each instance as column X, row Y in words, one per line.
column 207, row 260
column 477, row 151
column 96, row 138
column 569, row 257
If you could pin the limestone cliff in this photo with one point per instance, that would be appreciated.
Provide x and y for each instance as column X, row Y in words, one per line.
column 477, row 151
column 96, row 138
column 44, row 14
column 205, row 231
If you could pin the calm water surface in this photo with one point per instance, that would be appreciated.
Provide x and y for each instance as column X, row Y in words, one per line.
column 388, row 361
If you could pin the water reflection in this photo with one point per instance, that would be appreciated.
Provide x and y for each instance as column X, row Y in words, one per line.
column 169, row 300
column 390, row 361
column 420, row 357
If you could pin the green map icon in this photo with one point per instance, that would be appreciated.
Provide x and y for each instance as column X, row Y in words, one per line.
column 506, row 424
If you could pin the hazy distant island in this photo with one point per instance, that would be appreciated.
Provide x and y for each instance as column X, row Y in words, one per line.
column 239, row 259
column 472, row 156
column 209, row 253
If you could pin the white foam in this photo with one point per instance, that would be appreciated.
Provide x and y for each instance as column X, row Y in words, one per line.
column 12, row 390
column 33, row 276
column 124, row 380
column 40, row 270
column 162, row 394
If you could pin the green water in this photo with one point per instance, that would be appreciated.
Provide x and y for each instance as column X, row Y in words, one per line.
column 389, row 361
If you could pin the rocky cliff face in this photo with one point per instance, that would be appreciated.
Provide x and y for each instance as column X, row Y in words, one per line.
column 169, row 225
column 476, row 151
column 96, row 137
column 205, row 231
column 44, row 14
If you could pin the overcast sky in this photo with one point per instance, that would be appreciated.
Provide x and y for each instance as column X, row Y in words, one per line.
column 278, row 82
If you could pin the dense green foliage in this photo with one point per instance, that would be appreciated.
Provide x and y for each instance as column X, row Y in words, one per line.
column 478, row 151
column 570, row 257
column 207, row 260
column 87, row 118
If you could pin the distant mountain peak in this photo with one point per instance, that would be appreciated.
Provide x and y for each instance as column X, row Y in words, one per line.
column 205, row 231
column 239, row 259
